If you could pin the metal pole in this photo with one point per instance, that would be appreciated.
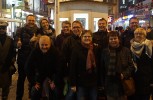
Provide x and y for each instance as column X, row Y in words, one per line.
column 33, row 7
column 13, row 16
column 56, row 18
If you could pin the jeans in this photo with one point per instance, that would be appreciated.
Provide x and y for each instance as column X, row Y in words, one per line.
column 70, row 94
column 44, row 92
column 87, row 93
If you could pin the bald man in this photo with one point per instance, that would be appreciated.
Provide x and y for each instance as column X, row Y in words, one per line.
column 41, row 65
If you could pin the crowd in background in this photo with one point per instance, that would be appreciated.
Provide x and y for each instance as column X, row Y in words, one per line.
column 78, row 64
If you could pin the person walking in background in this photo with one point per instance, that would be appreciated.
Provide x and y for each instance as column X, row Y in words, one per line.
column 150, row 34
column 23, row 36
column 148, row 29
column 83, row 73
column 7, row 59
column 68, row 45
column 46, row 29
column 116, row 64
column 100, row 40
column 65, row 33
column 120, row 30
column 141, row 49
column 41, row 66
column 129, row 33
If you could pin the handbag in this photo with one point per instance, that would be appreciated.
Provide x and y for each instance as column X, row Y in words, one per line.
column 128, row 86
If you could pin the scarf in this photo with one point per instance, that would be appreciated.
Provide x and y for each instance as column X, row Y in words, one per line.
column 90, row 62
column 137, row 48
column 112, row 63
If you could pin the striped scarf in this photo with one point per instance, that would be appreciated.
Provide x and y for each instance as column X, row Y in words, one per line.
column 112, row 63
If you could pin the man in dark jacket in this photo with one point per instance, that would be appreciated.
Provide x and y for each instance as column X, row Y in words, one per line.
column 41, row 65
column 68, row 45
column 100, row 40
column 23, row 36
column 129, row 34
column 65, row 33
column 7, row 59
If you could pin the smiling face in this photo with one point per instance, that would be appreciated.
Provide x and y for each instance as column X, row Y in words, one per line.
column 66, row 27
column 30, row 20
column 86, row 37
column 44, row 43
column 44, row 24
column 139, row 35
column 134, row 23
column 114, row 40
column 102, row 24
column 77, row 28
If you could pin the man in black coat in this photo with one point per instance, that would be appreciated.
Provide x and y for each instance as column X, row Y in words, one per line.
column 7, row 59
column 100, row 40
column 41, row 65
column 129, row 34
column 23, row 37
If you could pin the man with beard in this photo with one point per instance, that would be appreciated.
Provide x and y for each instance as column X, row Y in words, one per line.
column 129, row 34
column 23, row 36
column 100, row 40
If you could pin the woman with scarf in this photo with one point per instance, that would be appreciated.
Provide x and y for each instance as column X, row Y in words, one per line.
column 142, row 55
column 83, row 69
column 46, row 29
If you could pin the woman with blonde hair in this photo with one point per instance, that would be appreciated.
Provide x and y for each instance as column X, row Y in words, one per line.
column 141, row 49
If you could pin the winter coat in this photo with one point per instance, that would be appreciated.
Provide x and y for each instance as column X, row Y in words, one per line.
column 144, row 75
column 39, row 66
column 126, row 37
column 6, row 47
column 52, row 34
column 124, row 65
column 79, row 75
column 100, row 40
column 25, row 33
column 69, row 44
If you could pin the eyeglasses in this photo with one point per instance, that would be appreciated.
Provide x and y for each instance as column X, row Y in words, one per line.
column 87, row 36
column 77, row 27
column 134, row 23
column 139, row 34
column 3, row 27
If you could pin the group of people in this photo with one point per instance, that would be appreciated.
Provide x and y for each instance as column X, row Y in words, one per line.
column 77, row 64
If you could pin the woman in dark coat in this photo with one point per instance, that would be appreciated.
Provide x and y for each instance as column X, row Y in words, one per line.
column 116, row 64
column 83, row 69
column 142, row 53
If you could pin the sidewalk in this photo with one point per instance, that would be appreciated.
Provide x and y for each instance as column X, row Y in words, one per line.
column 12, row 94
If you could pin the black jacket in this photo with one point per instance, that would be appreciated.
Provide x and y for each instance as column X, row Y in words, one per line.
column 78, row 73
column 39, row 66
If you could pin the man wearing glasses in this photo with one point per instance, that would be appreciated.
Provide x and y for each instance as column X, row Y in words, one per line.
column 68, row 45
column 129, row 34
